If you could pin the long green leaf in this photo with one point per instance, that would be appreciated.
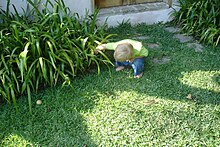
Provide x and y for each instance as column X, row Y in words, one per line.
column 13, row 97
column 29, row 98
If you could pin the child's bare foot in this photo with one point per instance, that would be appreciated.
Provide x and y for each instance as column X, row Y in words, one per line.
column 120, row 68
column 139, row 76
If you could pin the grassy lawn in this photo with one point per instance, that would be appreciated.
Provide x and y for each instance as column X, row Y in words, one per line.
column 175, row 103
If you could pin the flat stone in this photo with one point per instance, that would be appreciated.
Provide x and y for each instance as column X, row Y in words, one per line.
column 198, row 47
column 162, row 60
column 142, row 37
column 183, row 38
column 153, row 45
column 173, row 29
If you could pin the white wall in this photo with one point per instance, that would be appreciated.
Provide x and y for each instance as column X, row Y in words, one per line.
column 18, row 3
column 79, row 6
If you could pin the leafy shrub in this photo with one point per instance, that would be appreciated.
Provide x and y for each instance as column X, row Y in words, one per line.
column 40, row 48
column 200, row 18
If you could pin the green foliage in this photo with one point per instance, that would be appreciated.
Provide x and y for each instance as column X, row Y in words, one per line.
column 200, row 18
column 41, row 48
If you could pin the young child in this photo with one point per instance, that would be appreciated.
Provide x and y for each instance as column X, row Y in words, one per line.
column 127, row 53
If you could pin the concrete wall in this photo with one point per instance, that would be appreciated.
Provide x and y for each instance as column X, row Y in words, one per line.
column 18, row 3
column 79, row 6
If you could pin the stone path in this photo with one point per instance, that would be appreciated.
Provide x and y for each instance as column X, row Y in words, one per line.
column 198, row 47
column 153, row 45
column 189, row 40
column 142, row 37
column 182, row 38
column 173, row 29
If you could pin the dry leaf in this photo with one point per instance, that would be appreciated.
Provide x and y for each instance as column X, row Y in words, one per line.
column 150, row 102
column 189, row 96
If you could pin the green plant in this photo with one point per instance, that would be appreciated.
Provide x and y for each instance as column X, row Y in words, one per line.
column 51, row 46
column 200, row 18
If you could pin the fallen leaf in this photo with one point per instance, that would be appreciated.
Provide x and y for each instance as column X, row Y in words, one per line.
column 189, row 96
column 150, row 102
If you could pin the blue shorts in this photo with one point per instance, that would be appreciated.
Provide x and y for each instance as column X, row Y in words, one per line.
column 137, row 65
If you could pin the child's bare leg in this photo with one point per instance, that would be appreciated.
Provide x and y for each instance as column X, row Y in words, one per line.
column 119, row 68
column 139, row 76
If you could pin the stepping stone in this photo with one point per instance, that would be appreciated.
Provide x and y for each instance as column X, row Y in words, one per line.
column 173, row 29
column 142, row 37
column 198, row 47
column 153, row 45
column 183, row 38
column 162, row 60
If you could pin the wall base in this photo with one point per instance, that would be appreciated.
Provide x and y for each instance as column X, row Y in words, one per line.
column 149, row 13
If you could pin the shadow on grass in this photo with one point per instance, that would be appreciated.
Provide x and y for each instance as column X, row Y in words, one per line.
column 56, row 122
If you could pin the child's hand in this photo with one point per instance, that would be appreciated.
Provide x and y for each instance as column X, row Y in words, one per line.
column 99, row 48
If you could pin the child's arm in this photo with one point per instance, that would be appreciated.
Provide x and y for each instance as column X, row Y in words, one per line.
column 102, row 47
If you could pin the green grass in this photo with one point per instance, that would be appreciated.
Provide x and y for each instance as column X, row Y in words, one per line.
column 114, row 109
